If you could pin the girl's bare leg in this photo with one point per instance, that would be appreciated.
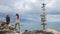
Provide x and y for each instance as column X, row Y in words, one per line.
column 15, row 25
column 19, row 27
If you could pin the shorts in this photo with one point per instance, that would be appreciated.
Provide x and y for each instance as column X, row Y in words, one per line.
column 17, row 21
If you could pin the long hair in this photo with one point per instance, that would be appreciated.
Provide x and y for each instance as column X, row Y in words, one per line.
column 17, row 16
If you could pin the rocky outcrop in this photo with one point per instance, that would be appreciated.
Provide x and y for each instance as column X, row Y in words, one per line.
column 36, row 32
column 48, row 31
column 3, row 30
column 53, row 31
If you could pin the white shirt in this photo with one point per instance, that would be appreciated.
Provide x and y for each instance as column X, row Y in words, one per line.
column 17, row 20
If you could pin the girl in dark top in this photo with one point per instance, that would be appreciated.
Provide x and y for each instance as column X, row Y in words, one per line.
column 7, row 19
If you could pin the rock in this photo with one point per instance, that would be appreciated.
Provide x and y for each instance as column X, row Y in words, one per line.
column 36, row 32
column 11, row 27
column 2, row 23
column 27, row 32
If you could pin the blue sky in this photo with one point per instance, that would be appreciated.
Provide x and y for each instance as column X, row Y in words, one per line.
column 30, row 10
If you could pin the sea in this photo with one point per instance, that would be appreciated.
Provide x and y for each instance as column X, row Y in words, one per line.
column 31, row 24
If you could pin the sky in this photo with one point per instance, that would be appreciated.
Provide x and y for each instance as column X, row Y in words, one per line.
column 30, row 10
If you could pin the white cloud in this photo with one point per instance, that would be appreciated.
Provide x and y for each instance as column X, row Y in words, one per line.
column 50, row 4
column 27, row 5
column 33, row 1
column 3, row 8
column 22, row 6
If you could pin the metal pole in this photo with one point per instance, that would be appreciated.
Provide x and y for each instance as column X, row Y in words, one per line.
column 43, row 16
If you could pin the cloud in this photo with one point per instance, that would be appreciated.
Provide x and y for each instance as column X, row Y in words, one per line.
column 52, row 7
column 33, row 1
column 22, row 6
column 50, row 4
column 25, row 6
column 5, row 8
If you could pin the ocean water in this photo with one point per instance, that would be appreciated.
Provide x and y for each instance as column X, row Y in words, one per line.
column 31, row 24
column 38, row 26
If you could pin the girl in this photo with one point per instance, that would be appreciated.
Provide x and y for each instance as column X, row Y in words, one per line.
column 17, row 19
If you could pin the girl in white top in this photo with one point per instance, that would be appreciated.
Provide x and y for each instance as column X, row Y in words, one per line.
column 17, row 20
